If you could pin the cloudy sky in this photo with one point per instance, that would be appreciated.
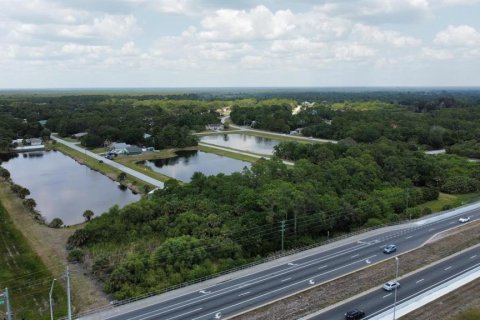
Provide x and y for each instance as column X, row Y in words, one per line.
column 222, row 43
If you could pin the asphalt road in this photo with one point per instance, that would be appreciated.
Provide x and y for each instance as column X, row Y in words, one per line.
column 240, row 294
column 136, row 174
column 380, row 300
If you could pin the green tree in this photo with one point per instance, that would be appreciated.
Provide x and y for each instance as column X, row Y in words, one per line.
column 88, row 214
column 56, row 223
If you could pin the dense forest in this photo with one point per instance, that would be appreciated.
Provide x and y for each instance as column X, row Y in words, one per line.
column 377, row 173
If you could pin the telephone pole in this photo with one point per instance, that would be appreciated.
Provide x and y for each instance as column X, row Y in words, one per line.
column 282, row 230
column 68, row 296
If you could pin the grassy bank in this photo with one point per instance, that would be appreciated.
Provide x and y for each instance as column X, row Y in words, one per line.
column 113, row 173
column 450, row 200
column 131, row 162
column 26, row 276
column 231, row 154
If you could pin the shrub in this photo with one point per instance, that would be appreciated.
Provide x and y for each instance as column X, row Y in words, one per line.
column 56, row 223
column 76, row 255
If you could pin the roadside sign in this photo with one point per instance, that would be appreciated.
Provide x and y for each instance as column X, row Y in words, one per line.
column 2, row 301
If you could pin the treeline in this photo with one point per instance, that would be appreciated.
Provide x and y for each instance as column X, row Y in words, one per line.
column 214, row 223
column 368, row 121
column 154, row 122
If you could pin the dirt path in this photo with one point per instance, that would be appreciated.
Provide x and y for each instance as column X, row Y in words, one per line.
column 49, row 244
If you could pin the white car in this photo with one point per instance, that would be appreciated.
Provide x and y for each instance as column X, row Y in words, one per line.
column 391, row 285
column 464, row 219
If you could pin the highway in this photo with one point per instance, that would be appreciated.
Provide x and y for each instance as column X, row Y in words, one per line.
column 378, row 301
column 256, row 288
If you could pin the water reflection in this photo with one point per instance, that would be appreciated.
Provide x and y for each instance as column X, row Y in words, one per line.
column 64, row 189
column 187, row 162
column 241, row 141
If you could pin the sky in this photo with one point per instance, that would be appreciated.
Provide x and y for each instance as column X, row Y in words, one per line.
column 241, row 43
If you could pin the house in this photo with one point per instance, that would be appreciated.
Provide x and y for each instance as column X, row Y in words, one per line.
column 34, row 141
column 215, row 126
column 297, row 131
column 79, row 135
column 146, row 136
column 42, row 122
column 123, row 148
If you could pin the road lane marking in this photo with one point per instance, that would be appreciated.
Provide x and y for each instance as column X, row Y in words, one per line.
column 431, row 229
column 387, row 295
column 204, row 292
column 447, row 268
column 409, row 237
column 420, row 280
column 180, row 315
column 242, row 294
column 311, row 281
column 473, row 257
column 355, row 255
column 285, row 279
column 453, row 222
column 322, row 267
column 281, row 288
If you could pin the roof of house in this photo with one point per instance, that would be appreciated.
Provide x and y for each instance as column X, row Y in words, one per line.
column 131, row 149
column 119, row 145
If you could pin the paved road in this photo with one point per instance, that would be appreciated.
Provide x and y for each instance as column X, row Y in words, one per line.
column 256, row 288
column 378, row 301
column 136, row 174
column 245, row 153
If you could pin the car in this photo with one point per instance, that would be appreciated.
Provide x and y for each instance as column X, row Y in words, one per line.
column 354, row 314
column 464, row 219
column 390, row 248
column 391, row 285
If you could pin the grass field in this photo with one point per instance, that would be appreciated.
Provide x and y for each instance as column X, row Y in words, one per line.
column 26, row 277
column 452, row 200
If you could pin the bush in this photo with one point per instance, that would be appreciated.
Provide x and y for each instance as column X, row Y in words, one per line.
column 426, row 211
column 56, row 223
column 447, row 207
column 429, row 194
column 76, row 255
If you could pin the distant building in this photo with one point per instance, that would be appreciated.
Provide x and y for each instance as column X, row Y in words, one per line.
column 42, row 122
column 34, row 141
column 215, row 126
column 146, row 136
column 79, row 135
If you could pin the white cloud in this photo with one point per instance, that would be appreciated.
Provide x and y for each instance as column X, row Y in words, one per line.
column 257, row 23
column 372, row 34
column 458, row 36
column 437, row 54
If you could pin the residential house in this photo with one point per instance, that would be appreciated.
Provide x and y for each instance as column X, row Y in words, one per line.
column 215, row 126
column 79, row 135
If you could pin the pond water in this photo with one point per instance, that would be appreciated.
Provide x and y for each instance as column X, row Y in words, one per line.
column 64, row 189
column 242, row 141
column 187, row 162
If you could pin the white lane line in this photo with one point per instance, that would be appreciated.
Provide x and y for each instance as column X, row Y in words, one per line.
column 447, row 268
column 453, row 222
column 322, row 267
column 177, row 316
column 282, row 288
column 387, row 295
column 473, row 257
column 250, row 282
column 420, row 280
column 355, row 255
column 431, row 229
column 285, row 279
column 409, row 237
column 242, row 294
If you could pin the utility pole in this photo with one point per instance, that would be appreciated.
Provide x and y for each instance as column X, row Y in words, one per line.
column 407, row 195
column 5, row 299
column 396, row 279
column 282, row 230
column 68, row 296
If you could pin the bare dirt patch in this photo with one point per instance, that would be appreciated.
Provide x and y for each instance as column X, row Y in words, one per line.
column 49, row 244
column 329, row 293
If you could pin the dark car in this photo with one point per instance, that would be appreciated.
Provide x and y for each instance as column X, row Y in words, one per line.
column 354, row 314
column 390, row 248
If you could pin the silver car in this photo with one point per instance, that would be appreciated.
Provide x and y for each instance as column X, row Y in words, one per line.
column 391, row 285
